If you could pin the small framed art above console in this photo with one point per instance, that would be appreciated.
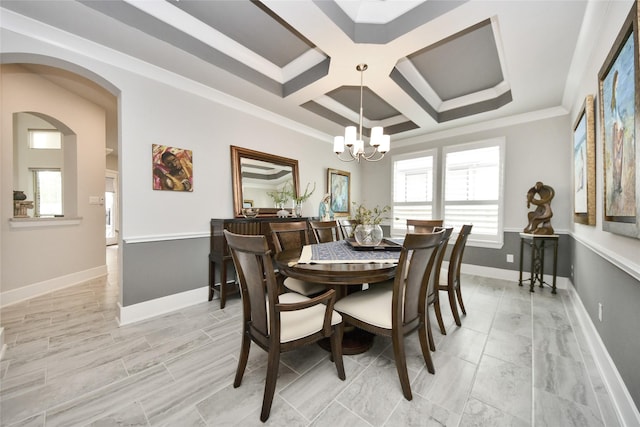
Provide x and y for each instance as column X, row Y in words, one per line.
column 255, row 175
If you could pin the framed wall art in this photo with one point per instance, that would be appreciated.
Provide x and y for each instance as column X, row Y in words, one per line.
column 584, row 165
column 619, row 120
column 339, row 187
column 172, row 168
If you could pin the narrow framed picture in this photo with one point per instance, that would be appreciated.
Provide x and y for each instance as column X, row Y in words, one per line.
column 339, row 187
column 172, row 168
column 584, row 165
column 618, row 84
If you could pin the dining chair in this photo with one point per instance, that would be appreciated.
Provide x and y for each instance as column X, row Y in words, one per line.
column 326, row 231
column 347, row 227
column 278, row 322
column 423, row 225
column 291, row 235
column 449, row 280
column 396, row 308
column 433, row 294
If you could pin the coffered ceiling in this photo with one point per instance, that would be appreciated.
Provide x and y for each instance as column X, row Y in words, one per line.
column 432, row 64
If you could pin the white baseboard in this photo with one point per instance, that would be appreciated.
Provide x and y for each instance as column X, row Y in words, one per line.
column 156, row 307
column 30, row 291
column 620, row 396
column 512, row 275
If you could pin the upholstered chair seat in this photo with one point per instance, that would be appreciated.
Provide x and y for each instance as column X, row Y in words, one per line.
column 302, row 287
column 301, row 323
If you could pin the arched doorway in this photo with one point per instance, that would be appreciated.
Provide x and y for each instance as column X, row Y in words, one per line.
column 50, row 267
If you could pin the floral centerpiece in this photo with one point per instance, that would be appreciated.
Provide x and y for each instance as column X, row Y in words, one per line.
column 301, row 198
column 368, row 231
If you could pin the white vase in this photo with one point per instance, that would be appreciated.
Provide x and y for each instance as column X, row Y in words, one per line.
column 298, row 210
column 368, row 234
column 282, row 212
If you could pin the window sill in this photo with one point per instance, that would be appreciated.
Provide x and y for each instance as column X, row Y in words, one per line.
column 43, row 222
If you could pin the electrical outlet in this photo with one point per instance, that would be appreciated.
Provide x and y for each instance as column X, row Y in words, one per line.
column 509, row 257
column 600, row 311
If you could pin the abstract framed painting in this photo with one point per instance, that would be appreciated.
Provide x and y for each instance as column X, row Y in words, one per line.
column 339, row 187
column 172, row 168
column 584, row 165
column 618, row 84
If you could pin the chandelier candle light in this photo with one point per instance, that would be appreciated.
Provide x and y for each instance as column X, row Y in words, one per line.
column 355, row 147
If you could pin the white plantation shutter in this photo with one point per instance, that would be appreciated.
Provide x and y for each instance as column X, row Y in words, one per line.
column 473, row 188
column 413, row 187
column 47, row 192
column 469, row 190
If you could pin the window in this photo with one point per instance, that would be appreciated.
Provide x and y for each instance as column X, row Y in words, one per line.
column 413, row 187
column 47, row 185
column 45, row 139
column 473, row 188
column 471, row 191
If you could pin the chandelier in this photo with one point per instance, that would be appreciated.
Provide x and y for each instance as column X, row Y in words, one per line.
column 379, row 143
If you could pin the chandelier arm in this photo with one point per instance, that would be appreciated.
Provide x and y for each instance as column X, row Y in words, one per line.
column 370, row 156
column 351, row 157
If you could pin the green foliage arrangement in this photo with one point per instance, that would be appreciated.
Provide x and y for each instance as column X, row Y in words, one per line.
column 281, row 196
column 303, row 197
column 369, row 216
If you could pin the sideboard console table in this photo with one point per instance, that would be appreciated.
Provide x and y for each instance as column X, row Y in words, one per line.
column 219, row 252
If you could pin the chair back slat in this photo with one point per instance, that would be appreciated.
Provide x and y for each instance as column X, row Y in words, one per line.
column 289, row 235
column 432, row 289
column 414, row 269
column 455, row 261
column 347, row 227
column 325, row 231
column 252, row 259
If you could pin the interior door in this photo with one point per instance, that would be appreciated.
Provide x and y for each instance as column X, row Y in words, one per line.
column 111, row 207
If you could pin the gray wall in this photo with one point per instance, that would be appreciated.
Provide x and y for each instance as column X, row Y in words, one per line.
column 497, row 258
column 158, row 269
column 599, row 281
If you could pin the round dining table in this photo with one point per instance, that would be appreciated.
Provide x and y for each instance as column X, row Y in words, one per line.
column 344, row 278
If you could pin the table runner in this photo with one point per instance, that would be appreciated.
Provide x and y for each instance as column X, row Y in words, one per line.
column 342, row 252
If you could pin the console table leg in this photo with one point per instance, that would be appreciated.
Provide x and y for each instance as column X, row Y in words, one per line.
column 223, row 285
column 212, row 278
column 521, row 251
column 555, row 265
column 533, row 266
column 542, row 245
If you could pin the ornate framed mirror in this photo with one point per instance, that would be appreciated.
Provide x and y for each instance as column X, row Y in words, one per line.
column 255, row 175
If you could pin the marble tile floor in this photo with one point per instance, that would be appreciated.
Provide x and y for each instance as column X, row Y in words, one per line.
column 519, row 359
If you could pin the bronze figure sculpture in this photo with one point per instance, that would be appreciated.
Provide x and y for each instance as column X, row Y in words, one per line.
column 540, row 219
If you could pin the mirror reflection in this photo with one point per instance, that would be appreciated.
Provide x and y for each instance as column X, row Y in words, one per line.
column 259, row 178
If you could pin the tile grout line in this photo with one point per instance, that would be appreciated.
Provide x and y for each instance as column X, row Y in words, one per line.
column 533, row 368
